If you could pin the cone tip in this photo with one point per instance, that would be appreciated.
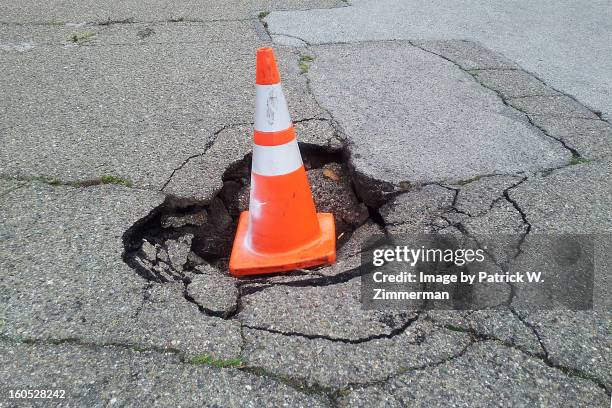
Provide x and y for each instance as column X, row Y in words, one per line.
column 267, row 72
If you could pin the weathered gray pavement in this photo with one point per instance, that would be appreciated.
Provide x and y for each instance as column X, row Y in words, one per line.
column 125, row 133
column 566, row 43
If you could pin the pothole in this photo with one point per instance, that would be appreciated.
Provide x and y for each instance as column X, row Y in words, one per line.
column 175, row 240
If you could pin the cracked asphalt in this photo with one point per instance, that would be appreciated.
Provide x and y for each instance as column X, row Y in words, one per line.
column 126, row 130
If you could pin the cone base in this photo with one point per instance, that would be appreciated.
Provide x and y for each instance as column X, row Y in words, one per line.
column 245, row 262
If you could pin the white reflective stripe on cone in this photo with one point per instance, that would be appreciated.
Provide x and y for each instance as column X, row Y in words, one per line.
column 276, row 160
column 271, row 113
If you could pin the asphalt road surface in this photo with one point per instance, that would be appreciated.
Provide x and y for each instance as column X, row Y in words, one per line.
column 125, row 131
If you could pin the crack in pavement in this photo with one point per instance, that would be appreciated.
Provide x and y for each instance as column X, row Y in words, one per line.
column 341, row 277
column 522, row 213
column 171, row 20
column 226, row 314
column 207, row 147
column 338, row 131
column 533, row 330
column 209, row 144
column 298, row 385
column 247, row 288
column 10, row 190
column 581, row 160
column 478, row 338
column 146, row 294
column 574, row 152
column 545, row 357
column 404, row 371
column 395, row 332
column 519, row 247
column 481, row 339
column 180, row 355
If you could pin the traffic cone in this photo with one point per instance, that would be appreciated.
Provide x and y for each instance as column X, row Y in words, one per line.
column 282, row 230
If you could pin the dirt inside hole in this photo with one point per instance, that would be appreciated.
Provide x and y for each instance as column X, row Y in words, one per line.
column 175, row 240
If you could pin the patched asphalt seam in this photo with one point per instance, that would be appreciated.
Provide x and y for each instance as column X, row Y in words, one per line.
column 85, row 183
column 372, row 192
column 504, row 100
column 126, row 21
column 307, row 44
column 74, row 341
column 10, row 190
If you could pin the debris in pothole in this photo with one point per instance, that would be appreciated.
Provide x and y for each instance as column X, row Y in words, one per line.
column 195, row 259
column 162, row 254
column 241, row 202
column 148, row 251
column 178, row 250
column 235, row 196
column 165, row 272
column 177, row 221
column 213, row 290
column 332, row 192
column 182, row 235
column 163, row 263
column 214, row 239
column 331, row 174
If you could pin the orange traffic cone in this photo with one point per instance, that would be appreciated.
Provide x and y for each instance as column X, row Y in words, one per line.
column 282, row 230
